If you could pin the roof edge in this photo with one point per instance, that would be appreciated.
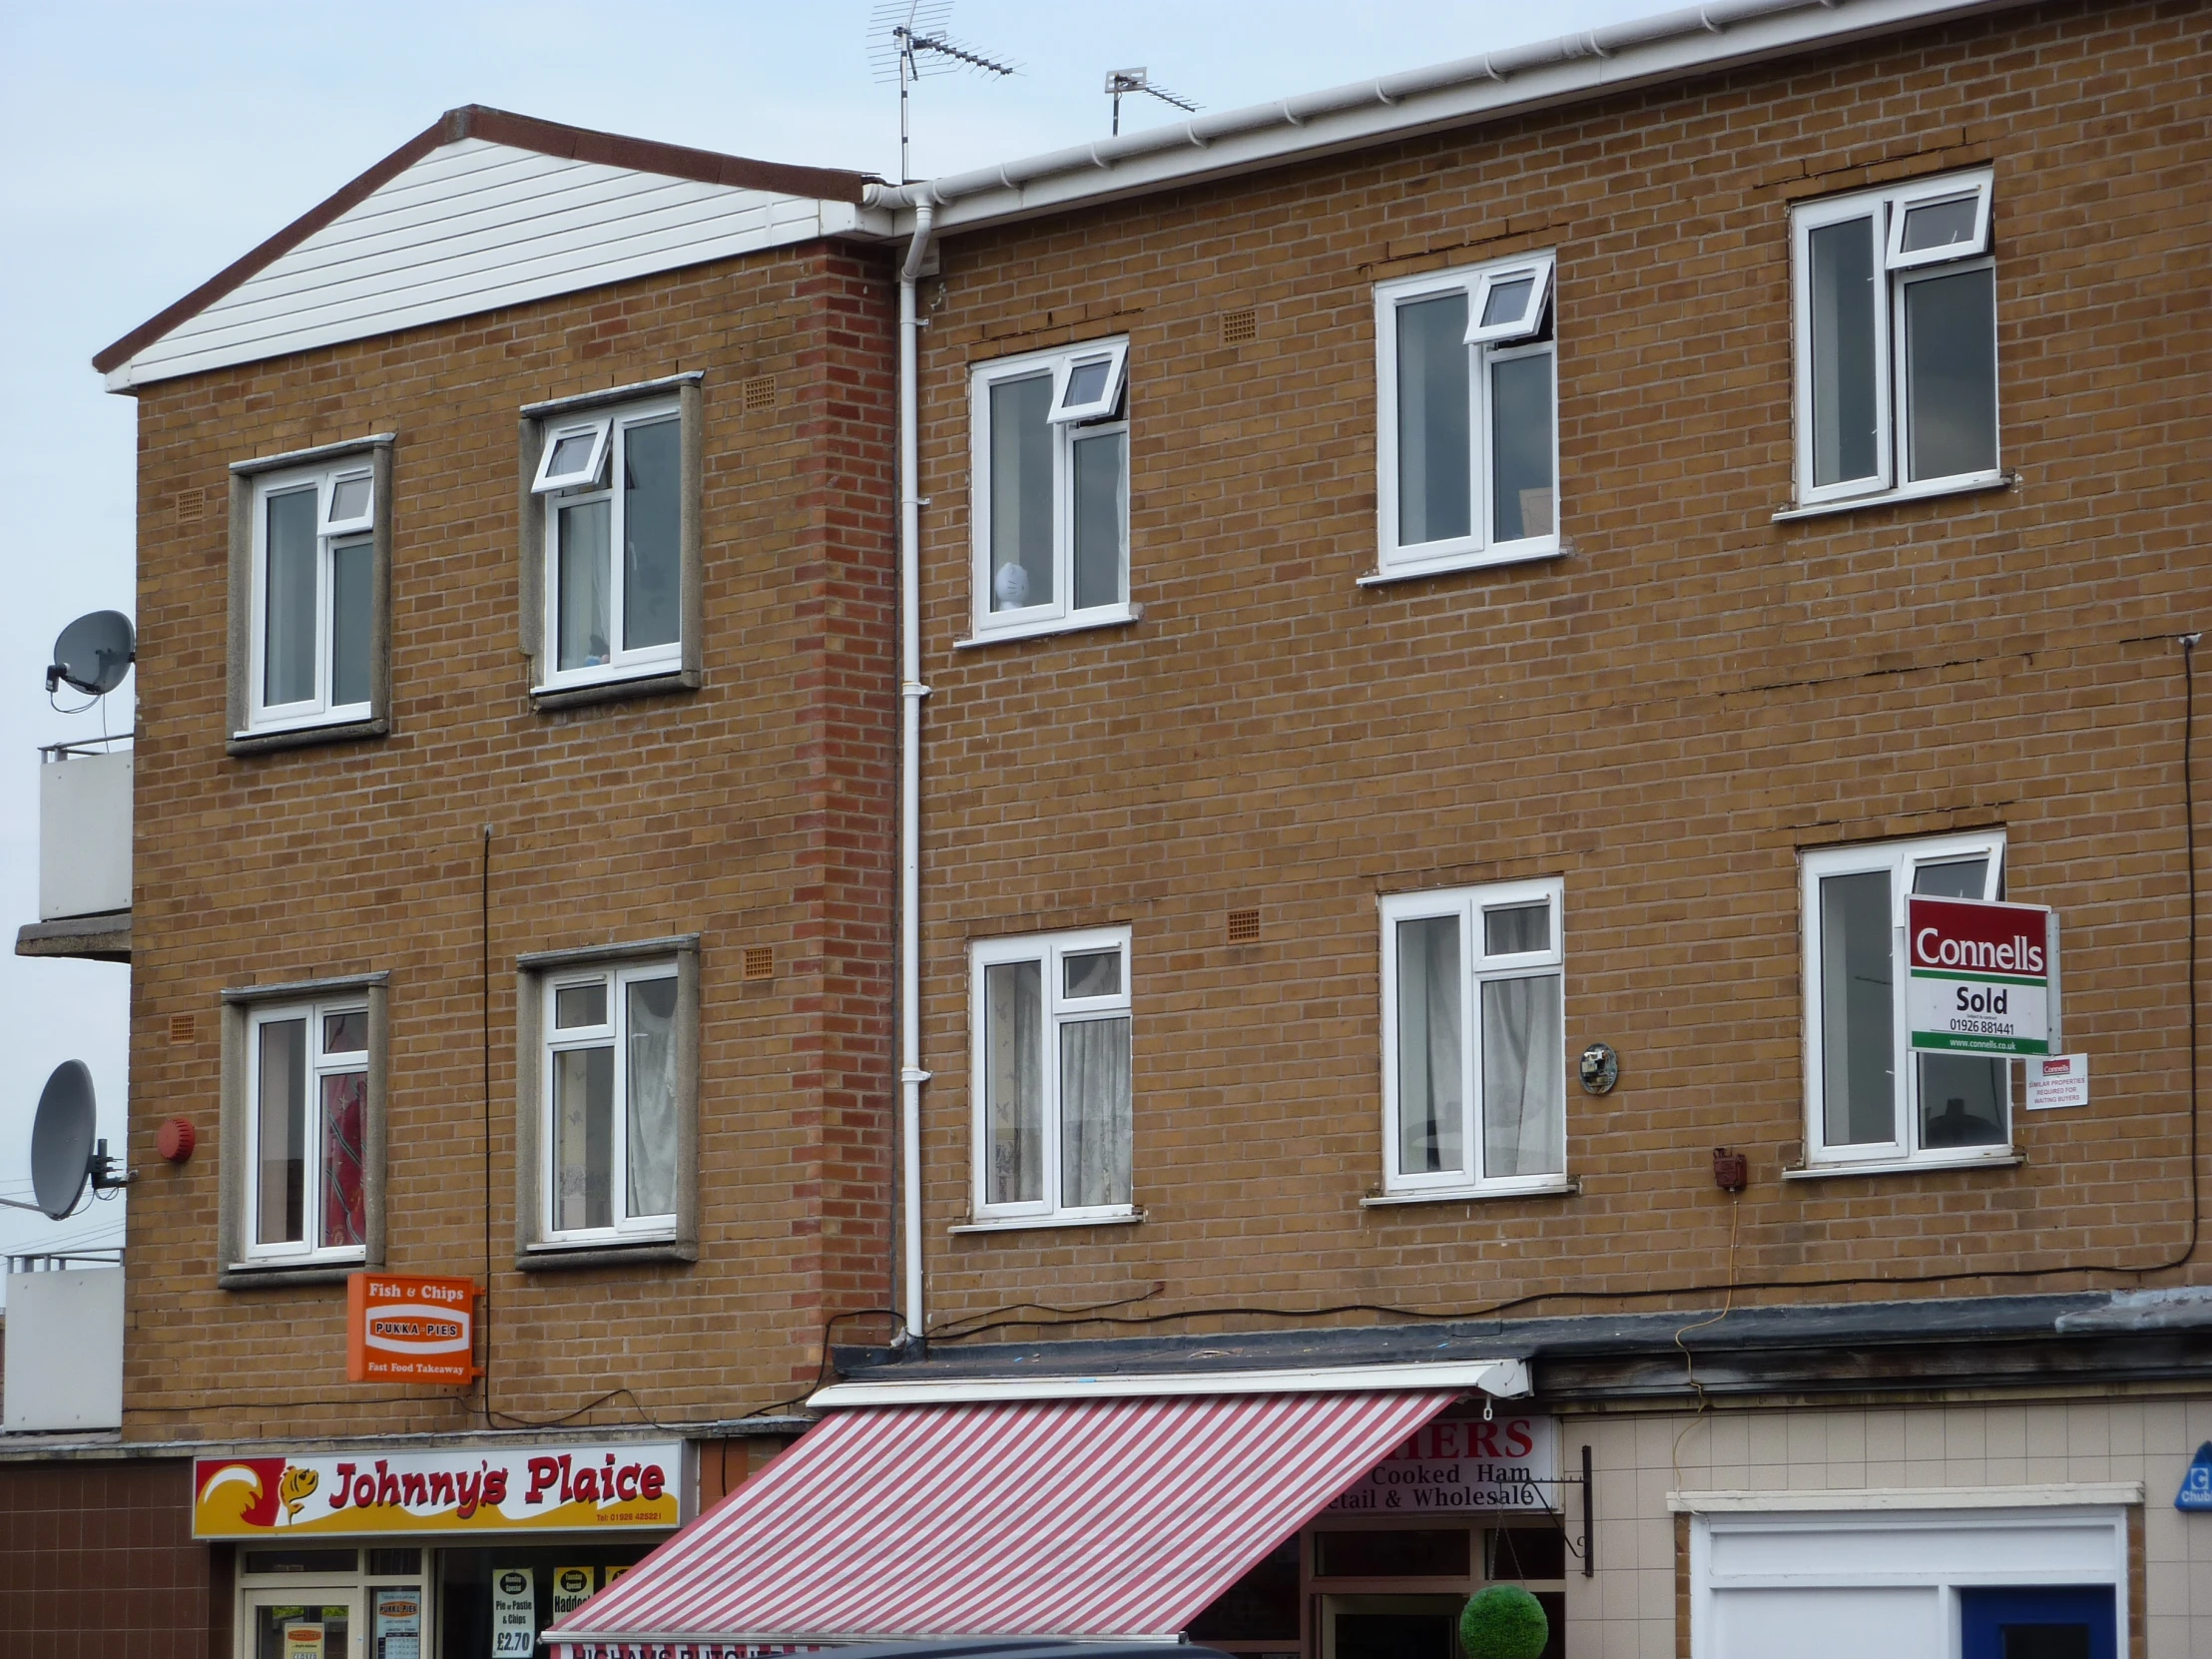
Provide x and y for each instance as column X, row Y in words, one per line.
column 1669, row 46
column 521, row 132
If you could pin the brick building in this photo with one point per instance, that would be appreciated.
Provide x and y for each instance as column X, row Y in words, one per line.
column 513, row 800
column 1458, row 619
column 1461, row 616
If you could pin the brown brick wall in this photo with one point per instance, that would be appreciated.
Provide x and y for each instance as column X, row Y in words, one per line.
column 96, row 1561
column 1665, row 718
column 754, row 812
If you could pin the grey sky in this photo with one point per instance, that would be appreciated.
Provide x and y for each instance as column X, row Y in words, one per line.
column 147, row 146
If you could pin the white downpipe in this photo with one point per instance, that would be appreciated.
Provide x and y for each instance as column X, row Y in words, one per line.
column 910, row 692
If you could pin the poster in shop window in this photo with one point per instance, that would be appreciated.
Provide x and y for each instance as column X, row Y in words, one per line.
column 572, row 1588
column 514, row 1613
column 1461, row 1467
column 396, row 1624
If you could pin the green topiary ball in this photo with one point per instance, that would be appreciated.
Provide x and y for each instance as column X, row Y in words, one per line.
column 1503, row 1622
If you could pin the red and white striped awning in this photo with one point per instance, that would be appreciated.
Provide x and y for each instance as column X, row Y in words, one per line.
column 1106, row 1517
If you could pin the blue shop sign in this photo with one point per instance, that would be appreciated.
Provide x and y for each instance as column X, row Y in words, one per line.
column 2196, row 1482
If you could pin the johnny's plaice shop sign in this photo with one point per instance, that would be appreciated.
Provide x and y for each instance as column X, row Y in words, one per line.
column 560, row 1488
column 1984, row 978
column 1463, row 1465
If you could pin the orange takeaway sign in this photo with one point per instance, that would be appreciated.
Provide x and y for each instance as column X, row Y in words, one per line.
column 401, row 1328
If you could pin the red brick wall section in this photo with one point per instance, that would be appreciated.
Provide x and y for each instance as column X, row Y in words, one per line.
column 1665, row 718
column 96, row 1561
column 754, row 812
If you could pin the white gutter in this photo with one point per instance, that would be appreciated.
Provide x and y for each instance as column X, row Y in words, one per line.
column 1671, row 46
column 910, row 692
column 1500, row 1379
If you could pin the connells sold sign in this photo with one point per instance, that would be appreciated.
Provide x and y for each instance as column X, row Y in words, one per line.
column 1984, row 977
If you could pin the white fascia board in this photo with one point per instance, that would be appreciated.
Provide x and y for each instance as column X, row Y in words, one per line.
column 1501, row 1379
column 1862, row 1500
column 1671, row 46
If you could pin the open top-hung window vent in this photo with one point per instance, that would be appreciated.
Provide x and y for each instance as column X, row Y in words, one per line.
column 350, row 504
column 1945, row 221
column 1509, row 303
column 575, row 456
column 1090, row 385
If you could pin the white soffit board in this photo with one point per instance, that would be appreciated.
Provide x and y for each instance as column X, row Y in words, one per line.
column 472, row 227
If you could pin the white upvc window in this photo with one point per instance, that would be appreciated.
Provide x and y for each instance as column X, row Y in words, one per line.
column 612, row 1125
column 1475, row 1091
column 1895, row 340
column 1868, row 1097
column 1467, row 430
column 610, row 485
column 307, row 1127
column 1051, row 490
column 312, row 622
column 1051, row 1088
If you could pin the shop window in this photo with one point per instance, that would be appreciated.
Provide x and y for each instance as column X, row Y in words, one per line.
column 1869, row 1097
column 1051, row 490
column 1897, row 354
column 1439, row 1554
column 552, row 1578
column 302, row 1112
column 1259, row 1608
column 608, row 1103
column 611, row 544
column 1517, row 1554
column 1475, row 1043
column 310, row 557
column 1051, row 1087
column 1468, row 432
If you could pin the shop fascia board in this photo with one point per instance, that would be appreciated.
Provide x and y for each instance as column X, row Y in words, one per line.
column 1672, row 46
column 1503, row 1379
column 35, row 1447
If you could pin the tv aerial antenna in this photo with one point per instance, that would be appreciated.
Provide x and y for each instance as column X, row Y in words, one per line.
column 908, row 40
column 1120, row 81
column 65, row 1158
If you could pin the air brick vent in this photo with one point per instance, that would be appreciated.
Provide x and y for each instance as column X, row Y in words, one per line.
column 1244, row 926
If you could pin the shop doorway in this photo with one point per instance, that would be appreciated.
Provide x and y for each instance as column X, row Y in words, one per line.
column 1391, row 1627
column 2036, row 1624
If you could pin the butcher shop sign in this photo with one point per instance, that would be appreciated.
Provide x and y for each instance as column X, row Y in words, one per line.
column 1463, row 1467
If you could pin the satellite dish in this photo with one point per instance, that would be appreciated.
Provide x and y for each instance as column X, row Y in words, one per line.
column 94, row 653
column 61, row 1140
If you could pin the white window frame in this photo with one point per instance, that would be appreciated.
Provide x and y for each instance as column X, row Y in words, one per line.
column 1466, row 906
column 318, row 710
column 603, row 479
column 319, row 1064
column 617, row 979
column 1093, row 420
column 1896, row 270
column 362, row 524
column 1497, row 343
column 1902, row 859
column 1115, row 354
column 1051, row 952
column 588, row 476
